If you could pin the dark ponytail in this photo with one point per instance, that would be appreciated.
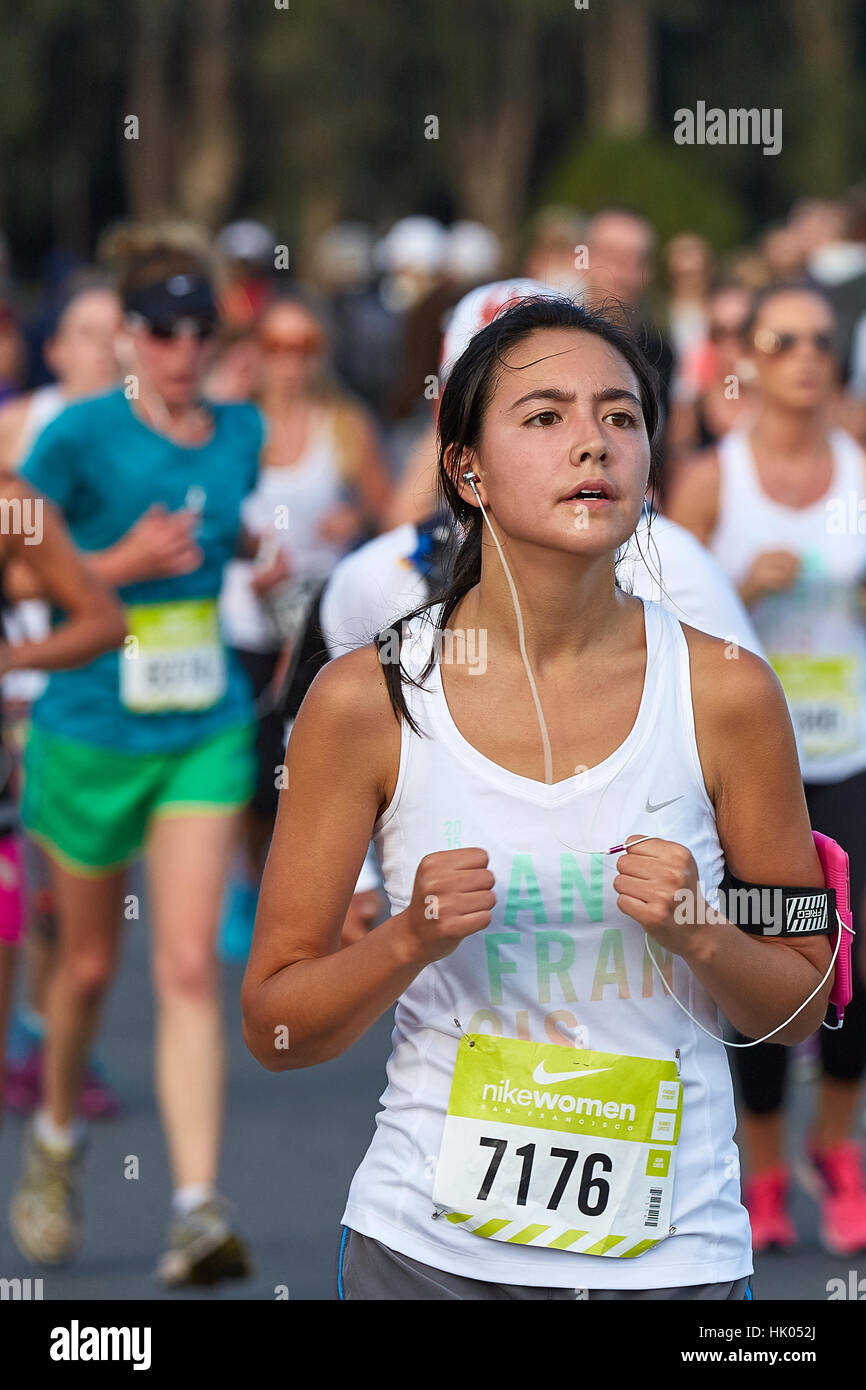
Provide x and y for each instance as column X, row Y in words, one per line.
column 468, row 392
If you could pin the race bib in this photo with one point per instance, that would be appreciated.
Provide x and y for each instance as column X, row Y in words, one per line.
column 551, row 1146
column 823, row 695
column 177, row 661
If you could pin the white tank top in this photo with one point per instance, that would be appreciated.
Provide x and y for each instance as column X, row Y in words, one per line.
column 46, row 402
column 30, row 620
column 558, row 963
column 814, row 634
column 287, row 504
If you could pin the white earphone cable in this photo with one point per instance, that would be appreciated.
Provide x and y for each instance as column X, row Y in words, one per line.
column 548, row 760
column 772, row 1034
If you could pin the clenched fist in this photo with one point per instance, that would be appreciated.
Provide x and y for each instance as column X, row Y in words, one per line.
column 160, row 545
column 452, row 898
column 654, row 879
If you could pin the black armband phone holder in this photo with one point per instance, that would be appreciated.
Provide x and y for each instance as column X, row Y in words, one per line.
column 762, row 910
column 802, row 912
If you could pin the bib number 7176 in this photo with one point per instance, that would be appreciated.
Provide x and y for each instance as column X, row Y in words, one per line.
column 559, row 1147
column 593, row 1193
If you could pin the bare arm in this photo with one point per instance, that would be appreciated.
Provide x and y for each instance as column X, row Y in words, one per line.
column 12, row 419
column 415, row 495
column 748, row 751
column 693, row 502
column 364, row 476
column 95, row 621
column 160, row 544
column 371, row 478
column 682, row 432
column 360, row 462
column 342, row 761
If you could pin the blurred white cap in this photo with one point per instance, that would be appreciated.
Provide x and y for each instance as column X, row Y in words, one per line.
column 413, row 243
column 474, row 252
column 246, row 241
column 344, row 253
column 480, row 307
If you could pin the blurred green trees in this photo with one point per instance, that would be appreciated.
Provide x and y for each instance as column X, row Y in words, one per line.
column 302, row 111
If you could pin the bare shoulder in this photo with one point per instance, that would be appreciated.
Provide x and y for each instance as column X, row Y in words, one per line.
column 13, row 415
column 741, row 715
column 352, row 415
column 704, row 463
column 351, row 689
column 728, row 680
column 701, row 467
column 347, row 711
column 693, row 497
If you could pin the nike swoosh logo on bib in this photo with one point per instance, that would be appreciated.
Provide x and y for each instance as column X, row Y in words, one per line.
column 651, row 808
column 541, row 1076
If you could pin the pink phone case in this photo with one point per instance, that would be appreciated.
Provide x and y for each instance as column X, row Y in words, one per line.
column 834, row 862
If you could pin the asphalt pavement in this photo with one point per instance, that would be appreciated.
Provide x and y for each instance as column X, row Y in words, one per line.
column 292, row 1143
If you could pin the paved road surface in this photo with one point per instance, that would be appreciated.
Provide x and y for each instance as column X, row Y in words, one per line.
column 292, row 1144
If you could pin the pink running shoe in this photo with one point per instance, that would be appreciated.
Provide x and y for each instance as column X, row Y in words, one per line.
column 765, row 1198
column 841, row 1191
column 22, row 1085
column 23, row 1088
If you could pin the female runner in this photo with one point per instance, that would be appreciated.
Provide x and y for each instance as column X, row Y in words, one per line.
column 553, row 1120
column 39, row 552
column 774, row 504
column 149, row 751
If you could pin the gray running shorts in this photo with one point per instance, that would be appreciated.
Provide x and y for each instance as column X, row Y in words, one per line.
column 370, row 1270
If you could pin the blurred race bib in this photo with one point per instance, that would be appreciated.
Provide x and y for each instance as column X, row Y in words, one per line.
column 177, row 661
column 824, row 698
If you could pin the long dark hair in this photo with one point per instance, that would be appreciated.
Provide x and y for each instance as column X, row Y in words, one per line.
column 464, row 401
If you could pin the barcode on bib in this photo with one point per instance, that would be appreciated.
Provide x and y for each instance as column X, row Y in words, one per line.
column 655, row 1206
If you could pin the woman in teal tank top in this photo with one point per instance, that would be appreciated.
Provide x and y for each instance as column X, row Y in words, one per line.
column 145, row 750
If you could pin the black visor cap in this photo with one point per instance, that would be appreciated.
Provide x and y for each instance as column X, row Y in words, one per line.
column 176, row 297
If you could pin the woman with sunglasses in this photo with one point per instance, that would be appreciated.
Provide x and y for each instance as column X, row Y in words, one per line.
column 778, row 505
column 321, row 487
column 146, row 751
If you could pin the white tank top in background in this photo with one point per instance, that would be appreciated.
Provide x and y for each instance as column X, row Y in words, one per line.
column 46, row 402
column 815, row 633
column 303, row 493
column 30, row 620
column 558, row 963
